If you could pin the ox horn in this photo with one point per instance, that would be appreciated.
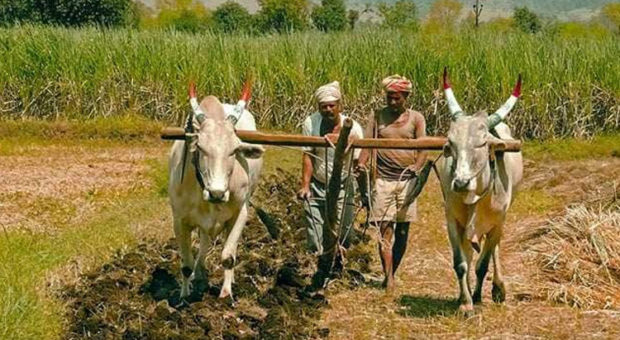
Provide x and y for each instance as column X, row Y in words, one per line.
column 198, row 112
column 503, row 111
column 453, row 105
column 246, row 93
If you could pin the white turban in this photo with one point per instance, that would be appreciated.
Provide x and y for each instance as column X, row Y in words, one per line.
column 328, row 93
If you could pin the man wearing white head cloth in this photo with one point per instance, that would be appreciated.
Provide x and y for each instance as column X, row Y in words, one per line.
column 317, row 165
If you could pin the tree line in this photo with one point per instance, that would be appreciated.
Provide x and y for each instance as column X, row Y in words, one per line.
column 279, row 16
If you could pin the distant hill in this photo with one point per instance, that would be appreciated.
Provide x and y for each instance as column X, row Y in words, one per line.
column 559, row 9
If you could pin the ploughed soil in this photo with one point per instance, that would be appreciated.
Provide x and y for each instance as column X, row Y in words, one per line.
column 136, row 295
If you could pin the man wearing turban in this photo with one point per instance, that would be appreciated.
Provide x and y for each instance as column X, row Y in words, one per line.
column 395, row 172
column 317, row 165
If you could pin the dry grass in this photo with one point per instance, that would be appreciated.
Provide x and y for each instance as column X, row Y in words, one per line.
column 564, row 182
column 45, row 186
column 578, row 254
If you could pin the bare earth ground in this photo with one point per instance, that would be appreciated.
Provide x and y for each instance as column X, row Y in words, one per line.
column 45, row 187
column 115, row 299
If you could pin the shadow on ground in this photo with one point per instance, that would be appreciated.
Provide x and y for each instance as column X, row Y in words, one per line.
column 427, row 306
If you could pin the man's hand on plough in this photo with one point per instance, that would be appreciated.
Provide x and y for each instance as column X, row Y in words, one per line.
column 304, row 194
column 414, row 169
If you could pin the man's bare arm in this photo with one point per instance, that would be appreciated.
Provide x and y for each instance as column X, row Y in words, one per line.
column 420, row 131
column 365, row 153
column 306, row 175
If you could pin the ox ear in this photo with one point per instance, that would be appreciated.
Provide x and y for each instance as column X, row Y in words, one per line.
column 250, row 151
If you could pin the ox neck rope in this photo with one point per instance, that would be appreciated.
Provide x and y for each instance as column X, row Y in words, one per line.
column 189, row 128
column 196, row 163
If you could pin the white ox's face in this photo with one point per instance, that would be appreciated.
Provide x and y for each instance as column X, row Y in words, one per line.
column 469, row 139
column 218, row 146
column 468, row 145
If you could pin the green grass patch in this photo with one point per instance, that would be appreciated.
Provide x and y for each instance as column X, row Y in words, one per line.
column 284, row 158
column 574, row 149
column 124, row 128
column 534, row 201
column 26, row 312
column 158, row 173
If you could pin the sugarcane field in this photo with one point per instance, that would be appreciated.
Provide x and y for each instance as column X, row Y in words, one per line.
column 305, row 169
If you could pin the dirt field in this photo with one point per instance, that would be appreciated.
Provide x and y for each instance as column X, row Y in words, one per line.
column 131, row 291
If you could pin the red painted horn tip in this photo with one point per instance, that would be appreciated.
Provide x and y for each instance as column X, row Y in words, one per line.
column 517, row 90
column 446, row 80
column 247, row 90
column 192, row 89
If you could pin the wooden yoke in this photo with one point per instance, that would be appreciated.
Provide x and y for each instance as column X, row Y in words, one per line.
column 422, row 143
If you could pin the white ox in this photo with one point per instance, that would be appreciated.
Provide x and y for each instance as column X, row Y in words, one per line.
column 228, row 170
column 478, row 191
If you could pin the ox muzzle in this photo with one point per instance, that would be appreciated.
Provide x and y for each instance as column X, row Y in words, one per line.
column 216, row 195
column 460, row 185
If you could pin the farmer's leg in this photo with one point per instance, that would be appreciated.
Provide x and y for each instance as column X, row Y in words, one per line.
column 383, row 214
column 405, row 215
column 315, row 217
column 401, row 234
column 385, row 251
column 346, row 226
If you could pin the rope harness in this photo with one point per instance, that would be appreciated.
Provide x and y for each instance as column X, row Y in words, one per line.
column 196, row 163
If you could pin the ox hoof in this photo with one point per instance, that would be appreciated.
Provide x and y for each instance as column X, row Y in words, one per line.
column 227, row 294
column 182, row 304
column 224, row 293
column 498, row 292
column 467, row 310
